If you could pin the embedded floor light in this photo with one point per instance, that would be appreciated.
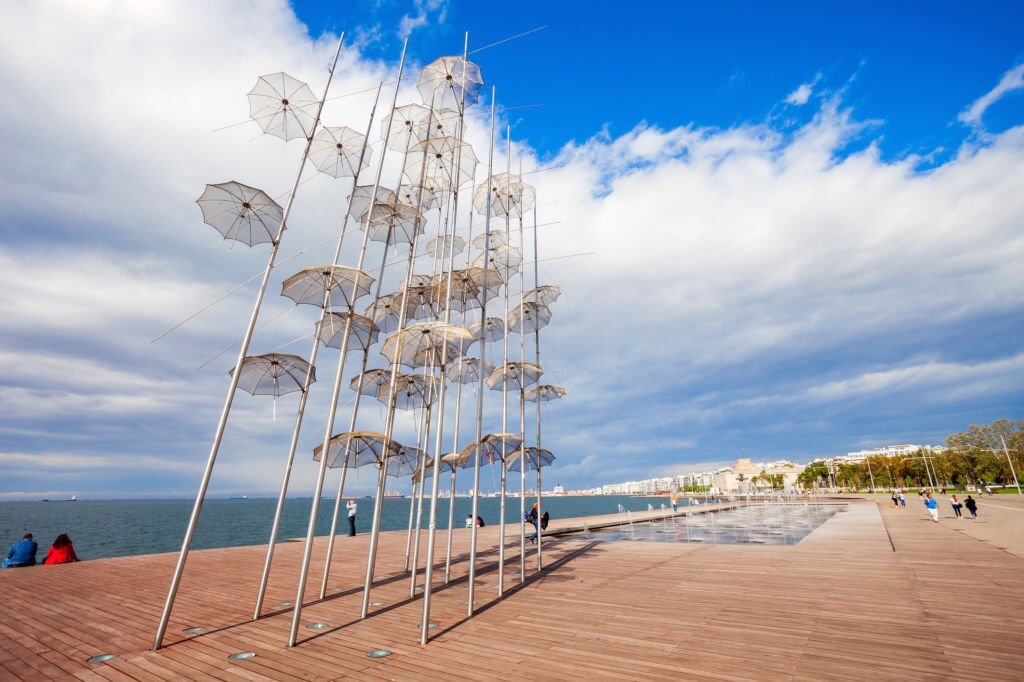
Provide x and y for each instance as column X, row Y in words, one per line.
column 378, row 653
column 317, row 626
column 192, row 631
column 103, row 658
column 376, row 603
column 241, row 656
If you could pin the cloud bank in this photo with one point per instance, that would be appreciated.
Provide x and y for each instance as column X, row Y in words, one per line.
column 780, row 293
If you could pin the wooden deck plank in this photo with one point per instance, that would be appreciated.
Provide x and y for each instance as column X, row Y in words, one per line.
column 839, row 605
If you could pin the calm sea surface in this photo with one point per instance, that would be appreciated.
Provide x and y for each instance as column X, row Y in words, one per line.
column 109, row 528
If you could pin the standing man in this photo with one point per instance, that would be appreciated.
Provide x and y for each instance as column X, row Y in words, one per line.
column 932, row 506
column 351, row 506
column 23, row 553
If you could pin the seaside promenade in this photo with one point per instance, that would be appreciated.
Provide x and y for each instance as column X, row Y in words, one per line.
column 875, row 593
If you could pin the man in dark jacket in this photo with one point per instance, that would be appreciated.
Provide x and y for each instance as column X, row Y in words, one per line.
column 23, row 553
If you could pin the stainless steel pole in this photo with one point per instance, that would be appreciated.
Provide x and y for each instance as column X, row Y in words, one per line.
column 279, row 510
column 480, row 387
column 338, row 378
column 536, row 342
column 233, row 384
column 1009, row 459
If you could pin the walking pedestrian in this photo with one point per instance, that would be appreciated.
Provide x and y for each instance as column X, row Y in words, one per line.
column 933, row 507
column 895, row 499
column 903, row 499
column 351, row 506
column 972, row 506
column 956, row 507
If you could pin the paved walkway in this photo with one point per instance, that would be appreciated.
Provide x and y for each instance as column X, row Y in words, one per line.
column 841, row 605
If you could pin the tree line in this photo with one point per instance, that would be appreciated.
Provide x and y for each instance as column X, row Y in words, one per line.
column 973, row 457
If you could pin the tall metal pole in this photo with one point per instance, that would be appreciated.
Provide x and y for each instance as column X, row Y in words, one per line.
column 522, row 391
column 428, row 584
column 338, row 378
column 1010, row 460
column 480, row 386
column 536, row 342
column 504, row 386
column 279, row 510
column 233, row 384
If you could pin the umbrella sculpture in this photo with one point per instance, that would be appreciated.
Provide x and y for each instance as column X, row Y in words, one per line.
column 545, row 294
column 359, row 199
column 273, row 374
column 240, row 212
column 445, row 158
column 384, row 312
column 323, row 286
column 336, row 389
column 339, row 152
column 442, row 246
column 392, row 222
column 343, row 285
column 450, row 80
column 284, row 106
column 545, row 393
column 279, row 124
column 332, row 329
column 495, row 239
column 527, row 318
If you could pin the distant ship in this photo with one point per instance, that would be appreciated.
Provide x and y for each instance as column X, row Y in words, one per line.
column 73, row 498
column 393, row 495
column 239, row 497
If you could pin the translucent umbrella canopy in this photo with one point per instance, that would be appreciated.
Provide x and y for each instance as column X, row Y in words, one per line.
column 341, row 285
column 502, row 259
column 492, row 328
column 420, row 302
column 468, row 371
column 494, row 447
column 534, row 458
column 508, row 194
column 357, row 448
column 426, row 343
column 336, row 152
column 442, row 246
column 449, row 463
column 497, row 238
column 466, row 289
column 545, row 294
column 361, row 198
column 513, row 376
column 528, row 318
column 240, row 212
column 449, row 80
column 412, row 391
column 414, row 123
column 544, row 393
column 417, row 196
column 273, row 374
column 403, row 462
column 370, row 381
column 444, row 159
column 283, row 106
column 394, row 223
column 384, row 312
column 362, row 333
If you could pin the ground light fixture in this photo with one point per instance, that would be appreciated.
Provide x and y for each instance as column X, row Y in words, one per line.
column 102, row 658
column 193, row 631
column 241, row 656
column 317, row 626
column 378, row 653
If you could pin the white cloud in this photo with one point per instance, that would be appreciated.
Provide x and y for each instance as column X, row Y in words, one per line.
column 1011, row 80
column 802, row 94
column 734, row 267
column 424, row 9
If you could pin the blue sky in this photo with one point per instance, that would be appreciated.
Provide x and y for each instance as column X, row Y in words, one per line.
column 718, row 64
column 804, row 227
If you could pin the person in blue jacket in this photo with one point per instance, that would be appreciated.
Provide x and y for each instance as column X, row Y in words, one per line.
column 23, row 553
column 932, row 506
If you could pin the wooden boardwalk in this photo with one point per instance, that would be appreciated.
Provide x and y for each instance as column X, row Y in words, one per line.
column 875, row 593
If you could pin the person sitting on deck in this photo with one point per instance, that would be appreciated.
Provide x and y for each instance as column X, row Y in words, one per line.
column 23, row 553
column 469, row 520
column 480, row 522
column 61, row 552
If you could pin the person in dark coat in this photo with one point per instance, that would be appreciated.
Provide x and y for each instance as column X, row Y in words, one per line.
column 972, row 506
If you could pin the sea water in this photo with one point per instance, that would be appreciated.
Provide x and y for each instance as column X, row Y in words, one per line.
column 110, row 528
